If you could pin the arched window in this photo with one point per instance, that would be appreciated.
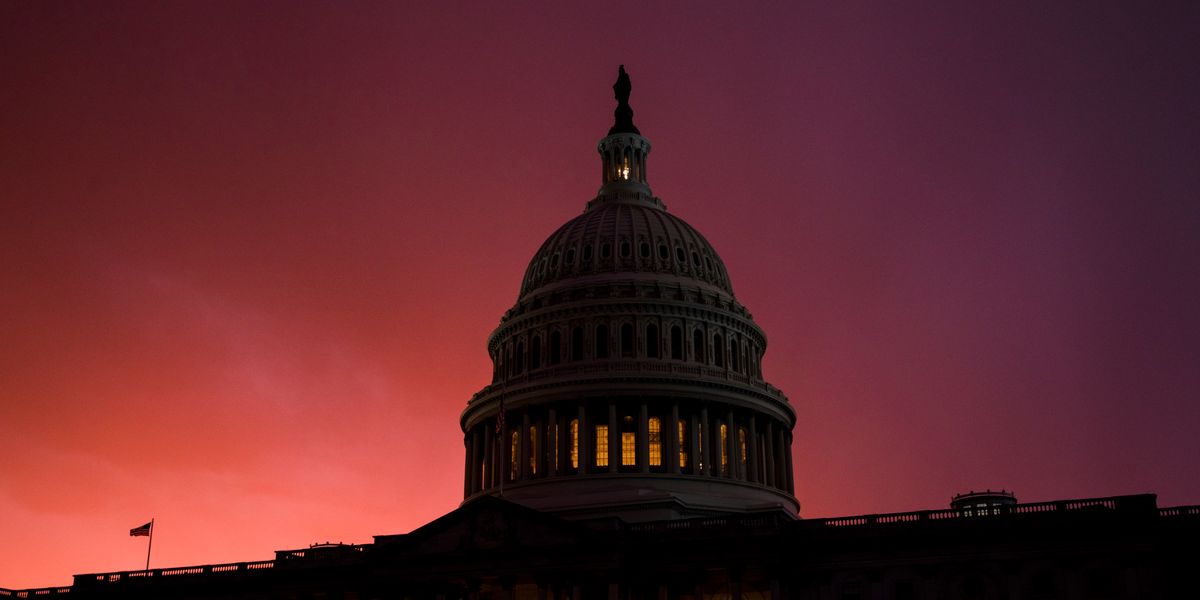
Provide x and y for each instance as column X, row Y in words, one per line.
column 733, row 353
column 601, row 341
column 535, row 353
column 676, row 343
column 587, row 252
column 626, row 249
column 554, row 352
column 626, row 339
column 605, row 250
column 514, row 457
column 652, row 340
column 533, row 449
column 698, row 346
column 574, row 443
column 600, row 443
column 724, row 451
column 644, row 250
column 509, row 361
column 577, row 343
column 683, row 453
column 718, row 350
column 654, row 431
column 520, row 357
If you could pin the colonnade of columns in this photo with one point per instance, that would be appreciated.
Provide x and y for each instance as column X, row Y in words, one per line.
column 623, row 163
column 629, row 436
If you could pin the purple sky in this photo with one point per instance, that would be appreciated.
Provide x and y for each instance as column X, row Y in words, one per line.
column 251, row 252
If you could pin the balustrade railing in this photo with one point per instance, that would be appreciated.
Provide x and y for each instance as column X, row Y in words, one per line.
column 34, row 593
column 1118, row 504
column 630, row 366
column 1114, row 503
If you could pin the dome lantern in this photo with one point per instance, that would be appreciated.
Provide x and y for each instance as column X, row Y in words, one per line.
column 623, row 154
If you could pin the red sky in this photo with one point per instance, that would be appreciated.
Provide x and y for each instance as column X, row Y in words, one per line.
column 250, row 252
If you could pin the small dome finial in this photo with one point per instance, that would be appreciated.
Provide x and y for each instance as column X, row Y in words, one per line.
column 623, row 113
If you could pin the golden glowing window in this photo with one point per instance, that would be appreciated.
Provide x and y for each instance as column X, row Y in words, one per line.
column 625, row 168
column 533, row 449
column 742, row 446
column 654, row 428
column 574, row 443
column 683, row 455
column 724, row 449
column 628, row 449
column 602, row 445
column 514, row 457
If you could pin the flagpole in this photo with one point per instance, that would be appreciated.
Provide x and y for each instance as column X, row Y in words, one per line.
column 150, row 544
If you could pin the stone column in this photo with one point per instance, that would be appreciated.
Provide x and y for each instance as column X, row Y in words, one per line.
column 673, row 435
column 705, row 441
column 771, row 453
column 614, row 439
column 791, row 473
column 584, row 451
column 781, row 460
column 693, row 442
column 523, row 467
column 489, row 443
column 553, row 435
column 643, row 438
column 732, row 446
column 752, row 447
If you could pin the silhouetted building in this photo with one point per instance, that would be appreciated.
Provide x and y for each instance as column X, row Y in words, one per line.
column 630, row 448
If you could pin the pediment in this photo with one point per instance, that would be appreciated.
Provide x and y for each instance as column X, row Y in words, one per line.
column 488, row 524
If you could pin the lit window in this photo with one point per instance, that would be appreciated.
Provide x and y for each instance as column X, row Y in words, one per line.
column 574, row 443
column 602, row 445
column 533, row 450
column 724, row 449
column 514, row 461
column 654, row 429
column 683, row 455
column 628, row 449
column 625, row 168
column 742, row 447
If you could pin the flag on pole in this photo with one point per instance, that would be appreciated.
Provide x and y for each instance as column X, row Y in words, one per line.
column 143, row 530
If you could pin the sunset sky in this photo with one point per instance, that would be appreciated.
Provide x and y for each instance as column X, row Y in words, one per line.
column 250, row 252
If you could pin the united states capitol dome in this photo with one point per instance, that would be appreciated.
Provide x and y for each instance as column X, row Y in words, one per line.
column 639, row 240
column 627, row 378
